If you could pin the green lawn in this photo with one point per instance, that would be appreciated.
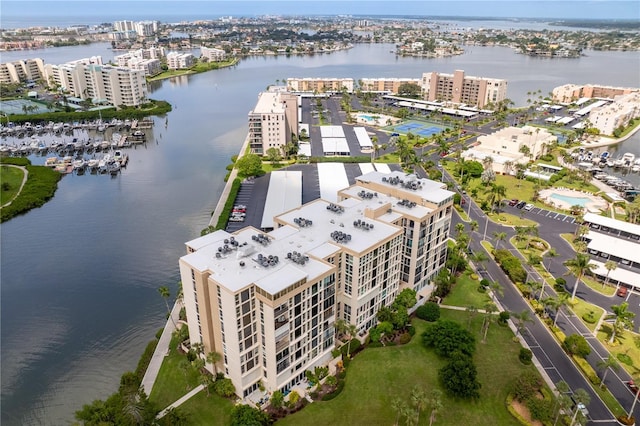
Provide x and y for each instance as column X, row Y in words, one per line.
column 624, row 345
column 465, row 293
column 11, row 178
column 378, row 375
column 511, row 220
column 580, row 308
column 211, row 410
column 172, row 382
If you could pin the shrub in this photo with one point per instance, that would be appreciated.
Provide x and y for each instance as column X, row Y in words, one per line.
column 404, row 338
column 576, row 344
column 624, row 358
column 540, row 409
column 336, row 392
column 459, row 377
column 589, row 317
column 481, row 289
column 224, row 388
column 511, row 265
column 411, row 330
column 448, row 337
column 430, row 311
column 503, row 317
column 525, row 356
column 355, row 345
column 526, row 385
column 145, row 359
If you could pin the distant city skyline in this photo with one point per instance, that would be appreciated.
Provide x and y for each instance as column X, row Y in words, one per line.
column 21, row 13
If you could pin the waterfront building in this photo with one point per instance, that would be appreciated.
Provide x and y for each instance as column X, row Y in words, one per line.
column 146, row 28
column 89, row 79
column 320, row 85
column 124, row 26
column 506, row 147
column 568, row 93
column 617, row 114
column 213, row 54
column 21, row 71
column 459, row 88
column 273, row 121
column 386, row 85
column 268, row 302
column 177, row 60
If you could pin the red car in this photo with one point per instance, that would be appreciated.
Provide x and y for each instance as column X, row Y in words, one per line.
column 513, row 202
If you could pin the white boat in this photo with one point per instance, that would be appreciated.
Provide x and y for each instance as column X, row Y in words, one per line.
column 635, row 168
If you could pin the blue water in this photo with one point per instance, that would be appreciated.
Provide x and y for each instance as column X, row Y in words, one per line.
column 580, row 201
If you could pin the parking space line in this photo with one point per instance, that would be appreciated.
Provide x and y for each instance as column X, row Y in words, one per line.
column 556, row 215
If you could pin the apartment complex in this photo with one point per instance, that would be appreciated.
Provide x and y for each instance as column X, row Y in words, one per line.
column 20, row 71
column 147, row 60
column 213, row 54
column 177, row 60
column 89, row 79
column 131, row 29
column 268, row 301
column 459, row 88
column 573, row 92
column 386, row 85
column 273, row 121
column 320, row 85
column 505, row 147
column 618, row 113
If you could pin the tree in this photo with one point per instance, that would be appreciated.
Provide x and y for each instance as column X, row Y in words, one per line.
column 409, row 90
column 406, row 298
column 447, row 337
column 435, row 403
column 206, row 380
column 249, row 165
column 459, row 377
column 489, row 308
column 277, row 399
column 499, row 236
column 213, row 358
column 164, row 292
column 558, row 303
column 550, row 254
column 348, row 329
column 244, row 415
column 609, row 265
column 430, row 311
column 399, row 406
column 224, row 387
column 273, row 155
column 605, row 364
column 579, row 266
column 580, row 396
column 496, row 194
column 576, row 344
column 623, row 320
column 419, row 400
column 522, row 318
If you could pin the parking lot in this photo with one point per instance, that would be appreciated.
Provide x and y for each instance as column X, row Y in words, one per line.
column 539, row 212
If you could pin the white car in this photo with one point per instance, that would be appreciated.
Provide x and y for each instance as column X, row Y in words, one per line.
column 528, row 207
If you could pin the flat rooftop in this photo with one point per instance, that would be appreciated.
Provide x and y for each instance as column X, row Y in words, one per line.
column 268, row 102
column 619, row 247
column 612, row 223
column 429, row 190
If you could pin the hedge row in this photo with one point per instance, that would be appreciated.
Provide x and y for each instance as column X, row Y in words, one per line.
column 145, row 359
column 228, row 207
column 511, row 265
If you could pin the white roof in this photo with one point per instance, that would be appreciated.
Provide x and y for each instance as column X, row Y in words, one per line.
column 284, row 193
column 427, row 189
column 363, row 138
column 612, row 223
column 332, row 178
column 565, row 120
column 366, row 168
column 304, row 148
column 332, row 146
column 619, row 247
column 619, row 274
column 424, row 106
column 331, row 132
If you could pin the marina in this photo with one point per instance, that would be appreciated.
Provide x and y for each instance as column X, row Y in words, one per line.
column 599, row 164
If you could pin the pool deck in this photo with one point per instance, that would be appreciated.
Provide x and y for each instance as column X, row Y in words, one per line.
column 595, row 205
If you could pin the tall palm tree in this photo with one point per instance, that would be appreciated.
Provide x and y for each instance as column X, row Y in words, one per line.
column 459, row 228
column 495, row 194
column 623, row 321
column 398, row 406
column 499, row 236
column 608, row 363
column 522, row 318
column 214, row 358
column 579, row 265
column 550, row 254
column 558, row 303
column 165, row 293
column 610, row 265
column 489, row 308
column 419, row 400
column 579, row 396
column 435, row 402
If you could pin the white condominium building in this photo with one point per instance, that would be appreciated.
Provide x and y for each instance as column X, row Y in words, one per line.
column 177, row 60
column 20, row 71
column 273, row 121
column 320, row 85
column 458, row 88
column 618, row 113
column 268, row 302
column 123, row 26
column 572, row 92
column 89, row 79
column 386, row 85
column 213, row 54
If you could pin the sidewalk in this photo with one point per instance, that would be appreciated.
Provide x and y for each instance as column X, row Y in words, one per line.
column 162, row 349
column 181, row 401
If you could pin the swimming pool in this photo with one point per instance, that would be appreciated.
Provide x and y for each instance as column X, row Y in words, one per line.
column 366, row 117
column 573, row 201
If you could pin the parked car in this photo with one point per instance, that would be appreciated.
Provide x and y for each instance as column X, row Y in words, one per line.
column 521, row 204
column 633, row 387
column 513, row 202
column 622, row 291
column 528, row 207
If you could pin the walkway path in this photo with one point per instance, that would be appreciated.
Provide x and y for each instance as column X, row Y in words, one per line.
column 181, row 401
column 25, row 174
column 227, row 188
column 162, row 349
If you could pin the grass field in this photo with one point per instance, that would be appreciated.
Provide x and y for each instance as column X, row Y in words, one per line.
column 625, row 345
column 378, row 375
column 465, row 293
column 11, row 178
column 207, row 411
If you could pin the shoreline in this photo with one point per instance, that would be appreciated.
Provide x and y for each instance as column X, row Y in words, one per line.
column 192, row 72
column 607, row 140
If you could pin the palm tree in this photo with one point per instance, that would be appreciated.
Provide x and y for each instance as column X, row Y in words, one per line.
column 608, row 363
column 579, row 396
column 495, row 194
column 550, row 254
column 558, row 303
column 398, row 406
column 610, row 265
column 165, row 293
column 579, row 266
column 213, row 358
column 419, row 399
column 522, row 318
column 435, row 402
column 562, row 401
column 499, row 236
column 459, row 228
column 623, row 321
column 489, row 308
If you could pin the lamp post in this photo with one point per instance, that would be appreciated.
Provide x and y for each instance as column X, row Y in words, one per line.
column 486, row 224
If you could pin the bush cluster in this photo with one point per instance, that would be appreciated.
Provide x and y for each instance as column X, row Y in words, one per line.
column 430, row 311
column 226, row 212
column 511, row 265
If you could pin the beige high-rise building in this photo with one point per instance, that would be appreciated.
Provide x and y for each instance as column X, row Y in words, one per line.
column 320, row 85
column 273, row 121
column 572, row 92
column 461, row 89
column 268, row 302
column 387, row 85
column 22, row 70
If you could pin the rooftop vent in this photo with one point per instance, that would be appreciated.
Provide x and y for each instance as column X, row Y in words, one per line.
column 361, row 224
column 340, row 237
column 335, row 208
column 302, row 222
column 408, row 204
column 261, row 238
column 366, row 195
column 298, row 258
column 266, row 261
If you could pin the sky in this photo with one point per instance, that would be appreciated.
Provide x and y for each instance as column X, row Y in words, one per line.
column 163, row 9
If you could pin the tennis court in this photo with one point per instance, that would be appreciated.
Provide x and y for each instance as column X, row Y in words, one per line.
column 22, row 106
column 420, row 128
